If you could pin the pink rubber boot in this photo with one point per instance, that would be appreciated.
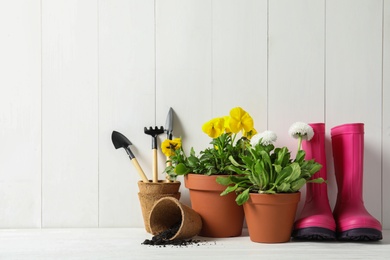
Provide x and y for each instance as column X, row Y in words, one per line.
column 352, row 219
column 316, row 221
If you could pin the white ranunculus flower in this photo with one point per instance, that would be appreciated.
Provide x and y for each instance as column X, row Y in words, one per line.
column 303, row 130
column 267, row 137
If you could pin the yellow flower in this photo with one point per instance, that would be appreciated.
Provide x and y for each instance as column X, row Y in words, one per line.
column 168, row 147
column 240, row 120
column 249, row 134
column 214, row 127
column 227, row 124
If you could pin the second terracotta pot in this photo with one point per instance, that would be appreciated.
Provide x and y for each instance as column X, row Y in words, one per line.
column 270, row 217
column 221, row 216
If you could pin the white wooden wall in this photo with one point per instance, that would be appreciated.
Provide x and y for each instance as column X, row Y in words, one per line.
column 73, row 71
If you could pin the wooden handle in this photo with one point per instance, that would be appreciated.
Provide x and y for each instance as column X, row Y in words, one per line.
column 155, row 170
column 139, row 170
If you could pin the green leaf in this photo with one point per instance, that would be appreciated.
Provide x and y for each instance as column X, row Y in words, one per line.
column 243, row 197
column 255, row 176
column 266, row 159
column 192, row 161
column 229, row 189
column 298, row 184
column 296, row 172
column 300, row 156
column 278, row 168
column 284, row 187
column 280, row 156
column 247, row 160
column 235, row 169
column 317, row 180
column 181, row 169
column 223, row 180
column 192, row 152
column 234, row 162
column 284, row 173
column 315, row 168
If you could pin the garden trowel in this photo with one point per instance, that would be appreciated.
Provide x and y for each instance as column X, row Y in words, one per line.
column 121, row 141
column 169, row 124
column 169, row 130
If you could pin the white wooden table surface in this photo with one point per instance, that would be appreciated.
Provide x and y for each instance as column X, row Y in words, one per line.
column 125, row 243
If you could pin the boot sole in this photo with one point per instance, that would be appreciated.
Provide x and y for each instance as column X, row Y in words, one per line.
column 360, row 234
column 314, row 233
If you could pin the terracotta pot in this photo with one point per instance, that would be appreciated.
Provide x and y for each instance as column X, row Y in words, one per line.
column 150, row 192
column 221, row 216
column 167, row 212
column 270, row 217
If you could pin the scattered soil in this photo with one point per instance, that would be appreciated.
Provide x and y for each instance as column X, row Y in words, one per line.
column 162, row 239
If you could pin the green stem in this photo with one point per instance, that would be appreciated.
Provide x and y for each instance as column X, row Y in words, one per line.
column 299, row 143
column 234, row 137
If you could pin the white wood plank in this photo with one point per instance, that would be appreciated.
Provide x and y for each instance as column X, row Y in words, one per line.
column 353, row 81
column 295, row 67
column 118, row 243
column 183, row 70
column 69, row 114
column 127, row 105
column 20, row 114
column 386, row 118
column 239, row 58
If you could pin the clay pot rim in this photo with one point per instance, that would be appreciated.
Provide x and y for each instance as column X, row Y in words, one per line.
column 190, row 178
column 275, row 198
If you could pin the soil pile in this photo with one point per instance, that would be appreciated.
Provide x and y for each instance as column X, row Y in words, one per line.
column 163, row 238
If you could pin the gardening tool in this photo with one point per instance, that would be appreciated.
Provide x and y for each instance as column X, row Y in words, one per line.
column 353, row 221
column 169, row 124
column 121, row 141
column 169, row 130
column 154, row 132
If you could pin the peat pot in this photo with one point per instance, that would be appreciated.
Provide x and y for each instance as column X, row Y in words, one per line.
column 150, row 192
column 168, row 212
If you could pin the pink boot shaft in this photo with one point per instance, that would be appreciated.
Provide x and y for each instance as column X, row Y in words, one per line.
column 316, row 221
column 352, row 219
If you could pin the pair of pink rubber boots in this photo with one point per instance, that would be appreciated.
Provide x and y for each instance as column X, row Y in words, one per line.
column 350, row 219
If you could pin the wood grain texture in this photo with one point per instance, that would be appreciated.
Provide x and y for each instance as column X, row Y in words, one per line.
column 69, row 114
column 20, row 114
column 239, row 58
column 295, row 68
column 296, row 65
column 126, row 104
column 183, row 70
column 354, row 81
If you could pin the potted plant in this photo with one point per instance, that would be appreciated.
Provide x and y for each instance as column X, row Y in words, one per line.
column 221, row 216
column 268, row 184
